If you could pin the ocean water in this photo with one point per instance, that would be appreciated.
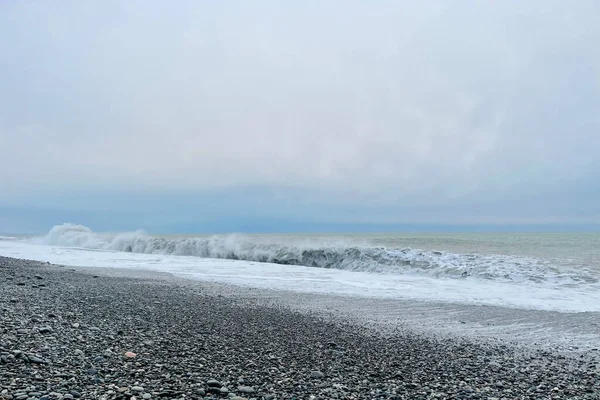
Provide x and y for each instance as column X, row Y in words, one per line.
column 546, row 271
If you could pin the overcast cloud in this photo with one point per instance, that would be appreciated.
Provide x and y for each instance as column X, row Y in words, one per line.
column 326, row 111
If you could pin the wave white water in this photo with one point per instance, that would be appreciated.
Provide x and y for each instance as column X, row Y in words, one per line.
column 439, row 264
column 341, row 268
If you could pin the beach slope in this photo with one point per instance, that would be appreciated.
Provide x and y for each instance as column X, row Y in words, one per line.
column 66, row 334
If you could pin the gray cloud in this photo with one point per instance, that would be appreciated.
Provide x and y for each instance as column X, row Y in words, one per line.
column 436, row 103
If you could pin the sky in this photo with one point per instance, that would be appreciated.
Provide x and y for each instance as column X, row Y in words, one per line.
column 276, row 116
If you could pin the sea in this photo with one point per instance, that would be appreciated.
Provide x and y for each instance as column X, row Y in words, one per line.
column 534, row 271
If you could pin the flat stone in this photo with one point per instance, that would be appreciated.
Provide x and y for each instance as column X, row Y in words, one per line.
column 213, row 383
column 137, row 389
column 245, row 389
column 317, row 375
column 46, row 329
column 35, row 360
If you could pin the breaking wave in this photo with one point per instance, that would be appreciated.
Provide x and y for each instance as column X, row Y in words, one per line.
column 352, row 257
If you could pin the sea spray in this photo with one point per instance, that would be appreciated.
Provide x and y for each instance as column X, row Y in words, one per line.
column 343, row 256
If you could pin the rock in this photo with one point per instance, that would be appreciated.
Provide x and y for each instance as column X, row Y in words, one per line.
column 317, row 375
column 224, row 390
column 46, row 329
column 213, row 383
column 38, row 277
column 129, row 354
column 68, row 396
column 245, row 389
column 147, row 396
column 75, row 394
column 13, row 300
column 75, row 325
column 137, row 389
column 35, row 360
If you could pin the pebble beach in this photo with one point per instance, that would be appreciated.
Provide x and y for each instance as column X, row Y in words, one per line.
column 67, row 333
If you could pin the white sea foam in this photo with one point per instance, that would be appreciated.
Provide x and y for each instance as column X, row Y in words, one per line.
column 339, row 255
column 342, row 268
column 322, row 280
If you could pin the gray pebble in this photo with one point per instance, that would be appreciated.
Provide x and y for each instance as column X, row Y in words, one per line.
column 317, row 375
column 46, row 329
column 213, row 383
column 245, row 389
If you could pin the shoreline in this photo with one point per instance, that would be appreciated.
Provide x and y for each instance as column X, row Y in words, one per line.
column 571, row 333
column 256, row 343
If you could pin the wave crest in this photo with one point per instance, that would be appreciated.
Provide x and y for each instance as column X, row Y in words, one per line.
column 342, row 256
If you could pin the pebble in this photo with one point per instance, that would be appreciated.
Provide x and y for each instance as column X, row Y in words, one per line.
column 213, row 383
column 245, row 389
column 317, row 375
column 35, row 359
column 137, row 388
column 46, row 329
